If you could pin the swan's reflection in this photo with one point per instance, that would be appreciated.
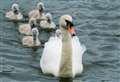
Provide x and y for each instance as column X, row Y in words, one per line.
column 69, row 80
column 65, row 80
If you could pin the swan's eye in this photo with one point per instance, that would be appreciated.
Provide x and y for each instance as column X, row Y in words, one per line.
column 69, row 23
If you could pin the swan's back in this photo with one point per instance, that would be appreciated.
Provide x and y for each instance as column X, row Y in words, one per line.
column 34, row 14
column 25, row 29
column 13, row 16
column 44, row 24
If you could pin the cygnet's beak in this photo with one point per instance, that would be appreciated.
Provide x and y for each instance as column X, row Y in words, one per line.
column 32, row 26
column 34, row 36
column 15, row 10
column 41, row 8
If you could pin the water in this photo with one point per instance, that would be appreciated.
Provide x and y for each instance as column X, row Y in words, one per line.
column 97, row 23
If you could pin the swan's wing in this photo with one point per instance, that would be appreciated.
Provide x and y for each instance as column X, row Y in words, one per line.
column 10, row 15
column 52, row 25
column 34, row 14
column 25, row 29
column 31, row 13
column 50, row 59
column 78, row 50
column 43, row 24
column 19, row 16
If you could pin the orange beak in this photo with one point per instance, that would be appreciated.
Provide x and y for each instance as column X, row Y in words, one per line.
column 71, row 30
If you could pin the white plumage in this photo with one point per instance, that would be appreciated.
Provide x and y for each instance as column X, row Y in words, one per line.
column 51, row 57
column 77, row 50
column 50, row 60
column 62, row 55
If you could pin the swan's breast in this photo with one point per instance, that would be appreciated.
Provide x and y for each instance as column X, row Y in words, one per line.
column 66, row 59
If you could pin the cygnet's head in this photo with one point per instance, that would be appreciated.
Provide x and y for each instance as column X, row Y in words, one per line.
column 49, row 17
column 66, row 22
column 15, row 8
column 32, row 23
column 35, row 34
column 40, row 7
column 58, row 33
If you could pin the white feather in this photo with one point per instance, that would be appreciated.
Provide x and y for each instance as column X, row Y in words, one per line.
column 51, row 57
column 50, row 60
column 77, row 52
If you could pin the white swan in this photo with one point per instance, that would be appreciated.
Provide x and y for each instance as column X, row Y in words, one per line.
column 38, row 13
column 32, row 41
column 62, row 57
column 58, row 35
column 14, row 14
column 26, row 28
column 48, row 22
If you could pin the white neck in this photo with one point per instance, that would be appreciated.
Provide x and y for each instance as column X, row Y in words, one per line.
column 66, row 59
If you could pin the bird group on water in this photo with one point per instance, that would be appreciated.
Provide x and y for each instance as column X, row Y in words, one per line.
column 62, row 53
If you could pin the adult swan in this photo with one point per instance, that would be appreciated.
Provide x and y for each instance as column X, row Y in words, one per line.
column 62, row 56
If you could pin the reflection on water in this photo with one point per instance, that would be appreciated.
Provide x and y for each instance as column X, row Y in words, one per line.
column 65, row 80
column 34, row 49
column 68, row 80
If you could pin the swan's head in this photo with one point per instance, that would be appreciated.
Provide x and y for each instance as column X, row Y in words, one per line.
column 15, row 8
column 40, row 7
column 66, row 22
column 34, row 29
column 35, row 34
column 58, row 33
column 32, row 23
column 49, row 17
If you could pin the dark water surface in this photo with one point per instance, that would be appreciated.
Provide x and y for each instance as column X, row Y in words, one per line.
column 97, row 23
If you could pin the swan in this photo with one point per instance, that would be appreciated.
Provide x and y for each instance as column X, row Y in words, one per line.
column 58, row 33
column 14, row 13
column 62, row 56
column 26, row 28
column 32, row 41
column 38, row 13
column 48, row 23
